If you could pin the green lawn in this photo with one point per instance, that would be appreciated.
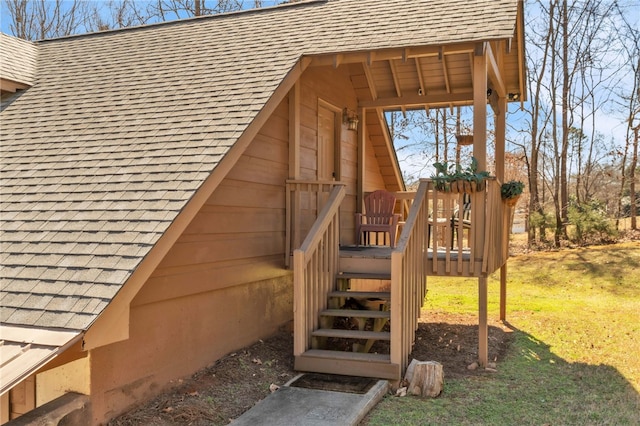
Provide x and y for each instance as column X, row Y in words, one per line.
column 575, row 359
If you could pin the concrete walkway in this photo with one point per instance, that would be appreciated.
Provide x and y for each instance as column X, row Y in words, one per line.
column 299, row 406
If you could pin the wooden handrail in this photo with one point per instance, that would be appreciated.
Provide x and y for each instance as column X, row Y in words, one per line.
column 315, row 268
column 324, row 218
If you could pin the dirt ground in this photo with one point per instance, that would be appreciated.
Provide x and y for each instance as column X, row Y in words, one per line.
column 226, row 389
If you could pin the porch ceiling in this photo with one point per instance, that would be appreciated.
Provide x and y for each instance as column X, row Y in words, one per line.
column 439, row 76
column 431, row 77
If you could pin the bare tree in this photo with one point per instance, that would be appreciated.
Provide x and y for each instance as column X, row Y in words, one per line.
column 40, row 19
column 630, row 41
column 116, row 14
column 167, row 10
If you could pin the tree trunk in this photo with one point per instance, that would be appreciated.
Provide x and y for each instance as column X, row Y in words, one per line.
column 564, row 190
column 632, row 178
column 425, row 378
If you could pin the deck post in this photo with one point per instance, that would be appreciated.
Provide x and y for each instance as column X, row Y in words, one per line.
column 503, row 292
column 500, row 132
column 479, row 142
column 362, row 156
column 483, row 329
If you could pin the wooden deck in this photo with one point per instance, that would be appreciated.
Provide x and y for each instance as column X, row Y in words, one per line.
column 378, row 290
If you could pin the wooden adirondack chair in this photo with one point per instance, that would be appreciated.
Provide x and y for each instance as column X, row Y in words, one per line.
column 464, row 217
column 378, row 216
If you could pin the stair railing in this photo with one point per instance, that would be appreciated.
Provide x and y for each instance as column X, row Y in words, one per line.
column 315, row 265
column 303, row 199
column 408, row 278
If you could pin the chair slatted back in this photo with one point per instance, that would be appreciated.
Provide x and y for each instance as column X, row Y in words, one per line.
column 379, row 207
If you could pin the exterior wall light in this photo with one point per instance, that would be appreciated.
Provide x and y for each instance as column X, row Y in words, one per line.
column 350, row 118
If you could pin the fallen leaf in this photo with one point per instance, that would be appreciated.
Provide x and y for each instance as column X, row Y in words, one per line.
column 167, row 410
column 256, row 361
column 273, row 387
column 194, row 393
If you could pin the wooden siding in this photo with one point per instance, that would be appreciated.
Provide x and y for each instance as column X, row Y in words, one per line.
column 223, row 273
column 335, row 87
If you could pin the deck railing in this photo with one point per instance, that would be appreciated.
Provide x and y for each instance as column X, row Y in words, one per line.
column 304, row 200
column 497, row 229
column 408, row 278
column 315, row 265
column 466, row 246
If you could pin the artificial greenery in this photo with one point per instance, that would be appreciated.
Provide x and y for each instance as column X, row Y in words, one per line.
column 455, row 178
column 511, row 189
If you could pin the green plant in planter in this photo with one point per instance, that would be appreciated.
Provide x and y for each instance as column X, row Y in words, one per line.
column 511, row 189
column 442, row 178
column 453, row 178
column 473, row 175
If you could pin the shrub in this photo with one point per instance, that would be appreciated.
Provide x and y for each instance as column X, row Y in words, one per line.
column 591, row 223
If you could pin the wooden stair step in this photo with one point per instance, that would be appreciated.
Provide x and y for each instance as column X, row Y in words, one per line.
column 348, row 364
column 355, row 313
column 364, row 275
column 347, row 356
column 362, row 294
column 352, row 334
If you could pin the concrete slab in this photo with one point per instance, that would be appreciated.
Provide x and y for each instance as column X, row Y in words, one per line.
column 294, row 406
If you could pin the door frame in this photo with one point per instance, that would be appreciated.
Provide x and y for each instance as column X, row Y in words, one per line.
column 322, row 155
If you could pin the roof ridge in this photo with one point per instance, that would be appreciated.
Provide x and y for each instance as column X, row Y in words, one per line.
column 180, row 21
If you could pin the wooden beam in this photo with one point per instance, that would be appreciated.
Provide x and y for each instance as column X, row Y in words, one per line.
column 415, row 100
column 500, row 132
column 337, row 60
column 294, row 131
column 483, row 328
column 394, row 76
column 480, row 110
column 445, row 72
column 370, row 81
column 362, row 155
column 391, row 152
column 503, row 292
column 423, row 90
column 479, row 137
column 387, row 54
column 495, row 73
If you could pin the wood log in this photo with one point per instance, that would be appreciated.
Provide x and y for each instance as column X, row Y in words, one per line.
column 425, row 378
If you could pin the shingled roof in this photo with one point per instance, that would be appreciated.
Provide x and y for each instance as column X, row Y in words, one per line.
column 17, row 59
column 121, row 128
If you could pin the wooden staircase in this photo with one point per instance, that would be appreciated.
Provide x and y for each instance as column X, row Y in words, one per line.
column 352, row 349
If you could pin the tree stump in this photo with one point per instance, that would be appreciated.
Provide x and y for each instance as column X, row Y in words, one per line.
column 425, row 378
